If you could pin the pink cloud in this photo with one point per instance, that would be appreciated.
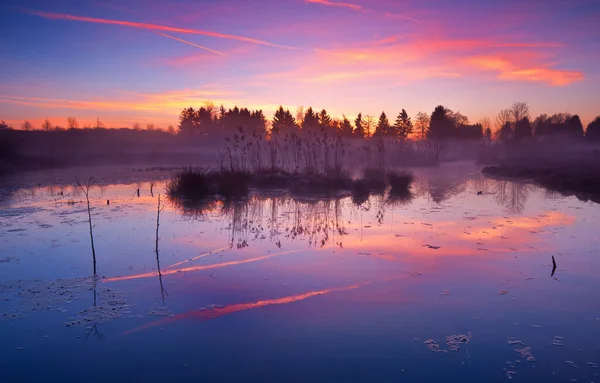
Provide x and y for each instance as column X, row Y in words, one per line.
column 354, row 7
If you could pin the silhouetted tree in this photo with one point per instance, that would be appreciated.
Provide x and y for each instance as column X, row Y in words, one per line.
column 72, row 123
column 311, row 121
column 574, row 127
column 346, row 129
column 325, row 120
column 422, row 124
column 383, row 127
column 441, row 125
column 592, row 132
column 523, row 129
column 505, row 133
column 403, row 126
column 369, row 125
column 187, row 122
column 359, row 128
column 558, row 125
column 26, row 125
column 488, row 135
column 300, row 115
column 519, row 111
column 46, row 125
column 136, row 126
column 283, row 122
column 99, row 124
column 469, row 131
column 4, row 126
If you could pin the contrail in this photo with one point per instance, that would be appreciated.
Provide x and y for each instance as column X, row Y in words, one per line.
column 197, row 257
column 206, row 314
column 192, row 44
column 198, row 268
column 155, row 27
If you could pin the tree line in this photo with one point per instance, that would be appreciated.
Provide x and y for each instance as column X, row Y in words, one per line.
column 512, row 125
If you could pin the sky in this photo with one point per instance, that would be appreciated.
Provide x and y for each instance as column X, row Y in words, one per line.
column 143, row 61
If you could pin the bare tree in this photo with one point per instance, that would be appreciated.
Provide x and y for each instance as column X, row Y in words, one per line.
column 151, row 127
column 369, row 125
column 26, row 125
column 485, row 123
column 171, row 129
column 210, row 106
column 519, row 110
column 136, row 126
column 300, row 115
column 47, row 125
column 99, row 124
column 503, row 116
column 85, row 188
column 72, row 123
column 422, row 123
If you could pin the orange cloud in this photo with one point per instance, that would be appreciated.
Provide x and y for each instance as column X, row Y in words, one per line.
column 61, row 16
column 192, row 44
column 354, row 7
column 510, row 70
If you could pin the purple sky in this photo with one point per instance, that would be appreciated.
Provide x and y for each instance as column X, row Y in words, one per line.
column 143, row 61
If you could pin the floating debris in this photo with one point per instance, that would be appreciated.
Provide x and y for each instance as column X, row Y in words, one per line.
column 557, row 340
column 431, row 247
column 160, row 311
column 111, row 307
column 503, row 292
column 572, row 364
column 452, row 341
column 512, row 341
column 526, row 353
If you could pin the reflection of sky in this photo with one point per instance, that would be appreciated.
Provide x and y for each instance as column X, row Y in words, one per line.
column 144, row 61
column 362, row 296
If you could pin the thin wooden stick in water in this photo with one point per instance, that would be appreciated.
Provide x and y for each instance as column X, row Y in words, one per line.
column 162, row 289
column 86, row 190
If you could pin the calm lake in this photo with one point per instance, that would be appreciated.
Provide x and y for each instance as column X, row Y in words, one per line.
column 450, row 285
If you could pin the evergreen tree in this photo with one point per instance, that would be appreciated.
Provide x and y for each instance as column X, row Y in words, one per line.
column 325, row 120
column 441, row 125
column 311, row 121
column 359, row 130
column 383, row 127
column 403, row 126
column 187, row 123
column 283, row 122
column 346, row 128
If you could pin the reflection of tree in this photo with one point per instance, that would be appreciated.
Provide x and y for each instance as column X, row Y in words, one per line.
column 94, row 331
column 511, row 195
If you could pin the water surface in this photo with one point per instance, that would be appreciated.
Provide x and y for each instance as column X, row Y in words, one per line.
column 450, row 285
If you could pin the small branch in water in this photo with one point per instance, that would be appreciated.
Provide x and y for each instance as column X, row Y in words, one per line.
column 86, row 190
column 553, row 266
